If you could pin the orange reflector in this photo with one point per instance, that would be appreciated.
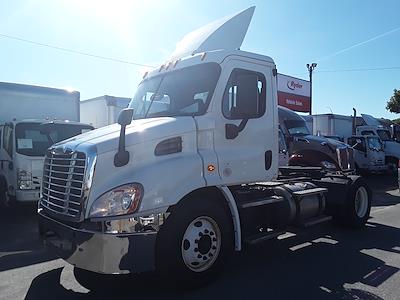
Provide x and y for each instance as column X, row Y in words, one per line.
column 210, row 168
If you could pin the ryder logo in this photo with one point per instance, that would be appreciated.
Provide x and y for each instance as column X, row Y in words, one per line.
column 292, row 85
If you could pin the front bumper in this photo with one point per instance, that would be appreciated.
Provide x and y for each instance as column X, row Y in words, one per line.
column 99, row 252
column 27, row 195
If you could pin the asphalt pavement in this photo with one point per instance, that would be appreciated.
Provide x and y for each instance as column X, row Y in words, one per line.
column 322, row 262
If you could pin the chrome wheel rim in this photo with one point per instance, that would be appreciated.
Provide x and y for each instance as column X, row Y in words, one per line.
column 201, row 244
column 361, row 202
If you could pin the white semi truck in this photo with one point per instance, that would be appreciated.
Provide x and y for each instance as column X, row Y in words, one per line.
column 32, row 118
column 369, row 155
column 176, row 187
column 102, row 111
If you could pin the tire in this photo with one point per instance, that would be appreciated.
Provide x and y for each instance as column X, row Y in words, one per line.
column 358, row 205
column 4, row 197
column 194, row 242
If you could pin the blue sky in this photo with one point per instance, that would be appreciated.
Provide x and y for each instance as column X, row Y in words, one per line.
column 338, row 35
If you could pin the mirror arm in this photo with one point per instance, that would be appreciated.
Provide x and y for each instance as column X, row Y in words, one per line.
column 121, row 158
column 242, row 124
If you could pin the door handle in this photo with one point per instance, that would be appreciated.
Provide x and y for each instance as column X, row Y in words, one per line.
column 268, row 159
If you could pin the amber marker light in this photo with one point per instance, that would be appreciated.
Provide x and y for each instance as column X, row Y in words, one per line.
column 210, row 168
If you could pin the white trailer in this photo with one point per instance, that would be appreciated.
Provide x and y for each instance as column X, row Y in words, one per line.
column 23, row 141
column 332, row 125
column 178, row 186
column 102, row 111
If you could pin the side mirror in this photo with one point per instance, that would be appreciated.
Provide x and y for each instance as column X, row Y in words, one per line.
column 231, row 131
column 121, row 158
column 125, row 116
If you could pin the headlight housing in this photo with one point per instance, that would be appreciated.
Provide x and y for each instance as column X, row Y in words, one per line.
column 24, row 180
column 122, row 200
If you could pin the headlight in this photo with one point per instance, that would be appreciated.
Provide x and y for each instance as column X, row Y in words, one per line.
column 328, row 165
column 24, row 180
column 122, row 200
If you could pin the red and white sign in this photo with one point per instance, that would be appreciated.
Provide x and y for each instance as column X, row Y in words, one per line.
column 294, row 93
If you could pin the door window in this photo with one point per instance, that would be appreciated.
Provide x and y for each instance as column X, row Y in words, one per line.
column 7, row 140
column 245, row 95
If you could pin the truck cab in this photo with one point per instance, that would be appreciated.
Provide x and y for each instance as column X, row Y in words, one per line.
column 190, row 172
column 391, row 145
column 306, row 149
column 23, row 146
column 369, row 155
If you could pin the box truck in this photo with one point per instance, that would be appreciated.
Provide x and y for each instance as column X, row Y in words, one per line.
column 102, row 111
column 32, row 118
column 178, row 186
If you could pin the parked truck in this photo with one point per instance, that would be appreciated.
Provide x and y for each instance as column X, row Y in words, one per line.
column 370, row 156
column 32, row 118
column 102, row 111
column 216, row 132
column 306, row 149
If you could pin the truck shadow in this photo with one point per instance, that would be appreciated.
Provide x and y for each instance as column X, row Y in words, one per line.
column 315, row 264
column 19, row 243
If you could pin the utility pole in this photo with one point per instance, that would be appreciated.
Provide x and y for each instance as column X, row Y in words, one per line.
column 310, row 68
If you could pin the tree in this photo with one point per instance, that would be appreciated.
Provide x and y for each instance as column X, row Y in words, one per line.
column 393, row 105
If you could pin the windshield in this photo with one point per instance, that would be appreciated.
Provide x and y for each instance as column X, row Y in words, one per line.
column 374, row 143
column 30, row 141
column 297, row 127
column 384, row 135
column 185, row 92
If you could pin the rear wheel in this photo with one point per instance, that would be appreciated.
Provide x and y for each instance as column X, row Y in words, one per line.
column 194, row 242
column 358, row 206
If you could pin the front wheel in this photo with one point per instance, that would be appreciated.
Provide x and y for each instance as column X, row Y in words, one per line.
column 194, row 242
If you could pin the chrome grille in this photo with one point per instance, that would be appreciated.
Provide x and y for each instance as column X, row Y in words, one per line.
column 63, row 183
column 344, row 158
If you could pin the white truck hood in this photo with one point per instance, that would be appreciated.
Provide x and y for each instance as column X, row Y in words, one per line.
column 107, row 138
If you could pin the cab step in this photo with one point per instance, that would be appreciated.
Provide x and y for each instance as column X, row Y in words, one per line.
column 260, row 202
column 263, row 236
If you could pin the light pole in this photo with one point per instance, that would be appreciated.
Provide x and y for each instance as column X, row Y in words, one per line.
column 310, row 68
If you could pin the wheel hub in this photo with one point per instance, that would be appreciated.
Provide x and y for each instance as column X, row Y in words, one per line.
column 204, row 244
column 201, row 244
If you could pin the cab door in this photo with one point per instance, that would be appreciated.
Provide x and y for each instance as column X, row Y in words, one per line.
column 245, row 137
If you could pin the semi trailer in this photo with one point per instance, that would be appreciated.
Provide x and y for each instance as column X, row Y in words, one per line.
column 32, row 118
column 214, row 127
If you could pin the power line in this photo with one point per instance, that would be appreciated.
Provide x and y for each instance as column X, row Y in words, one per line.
column 359, row 70
column 352, row 70
column 74, row 51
